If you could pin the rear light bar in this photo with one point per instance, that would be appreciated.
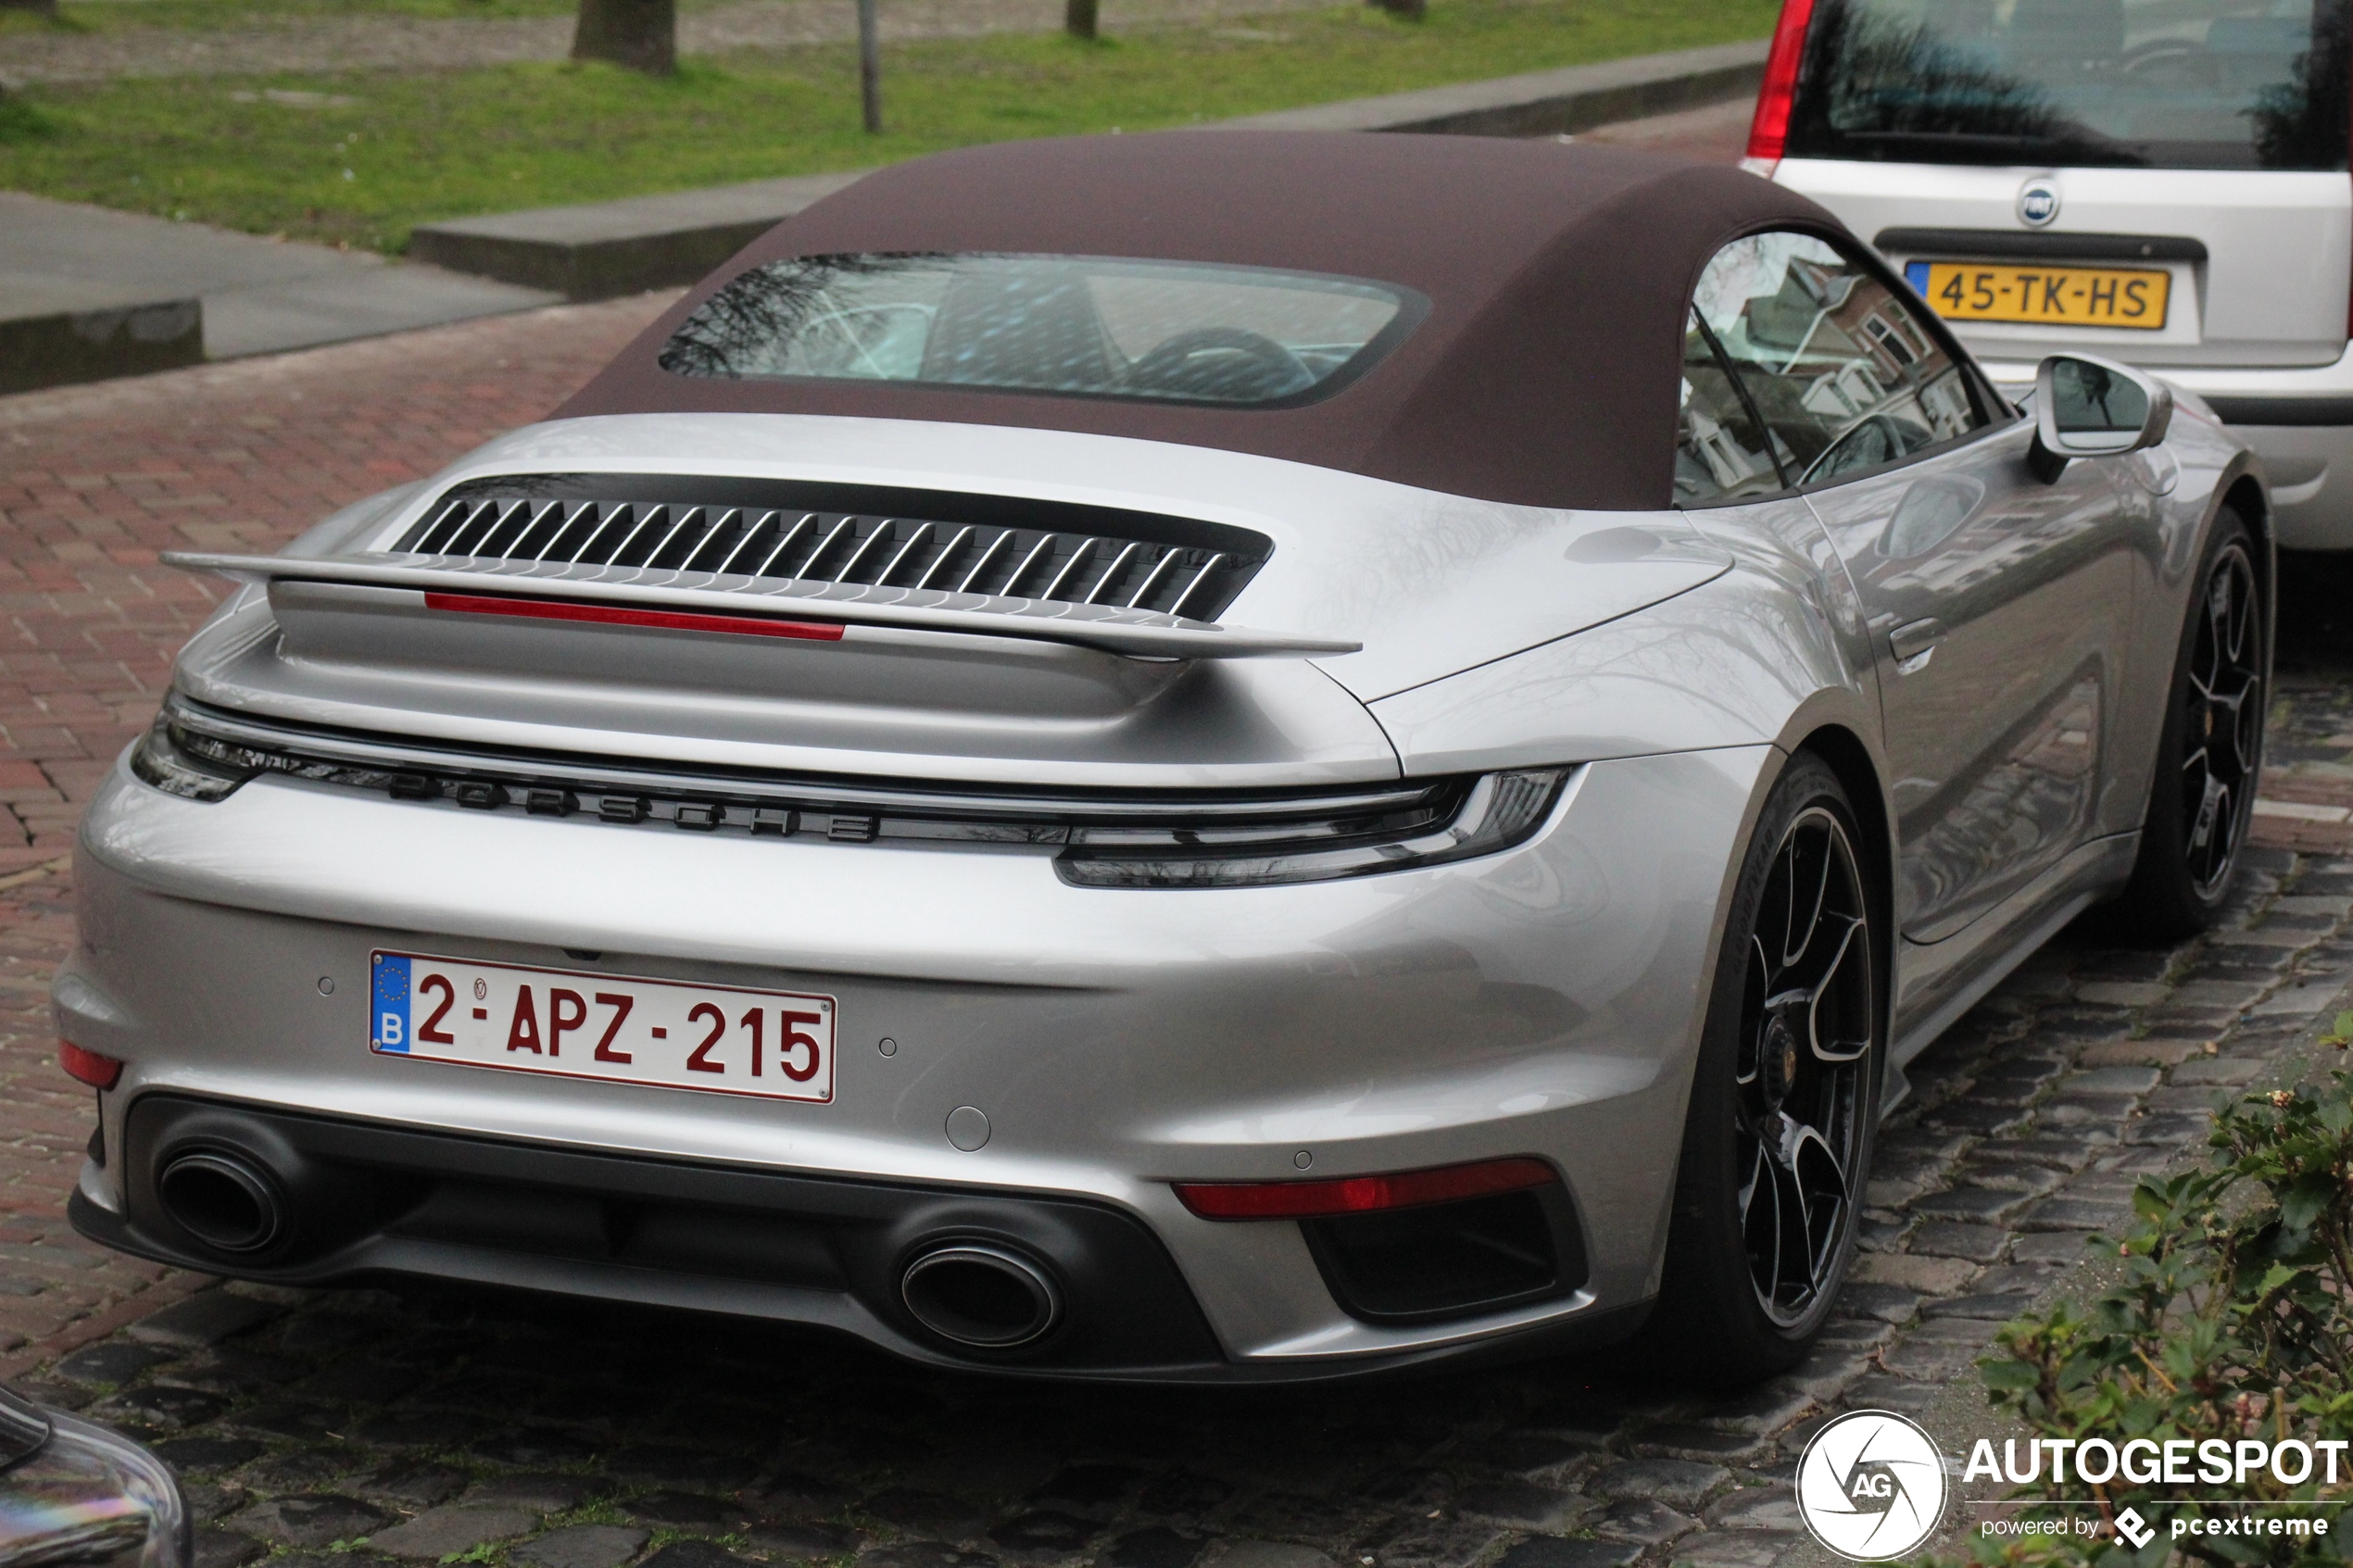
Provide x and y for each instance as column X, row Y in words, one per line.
column 1769, row 133
column 98, row 1071
column 1360, row 1195
column 615, row 614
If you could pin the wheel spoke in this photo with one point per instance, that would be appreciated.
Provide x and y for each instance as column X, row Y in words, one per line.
column 1753, row 1003
column 1818, row 1173
column 1802, row 935
column 1854, row 946
column 2221, row 713
column 1793, row 1243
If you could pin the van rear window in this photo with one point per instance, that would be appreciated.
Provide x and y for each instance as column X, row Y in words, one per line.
column 2156, row 83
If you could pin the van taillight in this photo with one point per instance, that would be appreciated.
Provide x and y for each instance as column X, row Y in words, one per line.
column 1769, row 133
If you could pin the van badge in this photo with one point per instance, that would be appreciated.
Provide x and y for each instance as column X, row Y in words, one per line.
column 2038, row 203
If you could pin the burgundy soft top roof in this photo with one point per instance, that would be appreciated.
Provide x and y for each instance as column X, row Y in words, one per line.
column 1547, row 372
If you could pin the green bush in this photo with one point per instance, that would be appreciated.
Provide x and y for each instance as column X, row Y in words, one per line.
column 2233, row 1319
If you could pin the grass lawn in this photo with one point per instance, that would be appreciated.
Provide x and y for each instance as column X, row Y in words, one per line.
column 378, row 154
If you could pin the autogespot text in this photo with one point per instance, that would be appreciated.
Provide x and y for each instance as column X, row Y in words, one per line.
column 2147, row 1462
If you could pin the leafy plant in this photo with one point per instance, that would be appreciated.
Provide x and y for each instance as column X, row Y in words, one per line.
column 2233, row 1319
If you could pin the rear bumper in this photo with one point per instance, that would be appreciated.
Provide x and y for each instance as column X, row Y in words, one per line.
column 376, row 1203
column 1544, row 1001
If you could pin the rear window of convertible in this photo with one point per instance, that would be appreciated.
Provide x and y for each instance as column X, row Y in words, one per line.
column 1083, row 326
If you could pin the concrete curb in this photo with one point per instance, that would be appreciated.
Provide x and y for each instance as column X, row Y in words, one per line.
column 604, row 249
column 608, row 248
column 53, row 333
column 1541, row 103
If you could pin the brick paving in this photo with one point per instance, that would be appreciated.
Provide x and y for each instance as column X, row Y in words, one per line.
column 373, row 1428
column 95, row 482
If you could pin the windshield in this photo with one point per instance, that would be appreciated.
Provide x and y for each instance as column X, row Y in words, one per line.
column 2164, row 84
column 1171, row 332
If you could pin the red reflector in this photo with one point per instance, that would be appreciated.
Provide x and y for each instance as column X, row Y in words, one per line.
column 614, row 615
column 1358, row 1194
column 98, row 1071
column 1769, row 133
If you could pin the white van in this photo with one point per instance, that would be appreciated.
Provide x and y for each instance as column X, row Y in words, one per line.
column 2163, row 181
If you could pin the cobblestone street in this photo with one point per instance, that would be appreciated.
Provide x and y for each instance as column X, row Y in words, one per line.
column 372, row 1428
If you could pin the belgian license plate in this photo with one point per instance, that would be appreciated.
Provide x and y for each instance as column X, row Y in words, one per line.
column 776, row 1044
column 2132, row 297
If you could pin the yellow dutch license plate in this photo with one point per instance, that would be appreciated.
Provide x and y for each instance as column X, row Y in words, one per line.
column 2134, row 298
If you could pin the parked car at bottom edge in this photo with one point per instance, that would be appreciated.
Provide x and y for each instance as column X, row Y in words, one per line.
column 1180, row 757
column 2159, row 180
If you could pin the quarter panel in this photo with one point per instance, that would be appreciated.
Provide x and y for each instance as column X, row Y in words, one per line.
column 1759, row 655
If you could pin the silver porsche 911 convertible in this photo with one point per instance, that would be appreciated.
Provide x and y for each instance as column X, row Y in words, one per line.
column 1187, row 757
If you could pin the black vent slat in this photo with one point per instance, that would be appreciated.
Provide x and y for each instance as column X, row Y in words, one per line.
column 873, row 548
column 712, row 543
column 480, row 527
column 787, row 536
column 612, row 530
column 446, row 528
column 739, row 528
column 546, row 528
column 570, row 524
column 509, row 531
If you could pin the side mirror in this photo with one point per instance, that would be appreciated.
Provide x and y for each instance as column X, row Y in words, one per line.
column 2091, row 407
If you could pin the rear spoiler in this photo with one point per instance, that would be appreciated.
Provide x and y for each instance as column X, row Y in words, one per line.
column 1134, row 634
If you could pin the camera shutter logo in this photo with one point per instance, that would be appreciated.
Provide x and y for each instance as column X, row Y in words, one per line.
column 1871, row 1486
column 2038, row 204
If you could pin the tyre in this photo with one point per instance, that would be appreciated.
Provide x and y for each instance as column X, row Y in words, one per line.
column 1784, row 1100
column 2210, row 752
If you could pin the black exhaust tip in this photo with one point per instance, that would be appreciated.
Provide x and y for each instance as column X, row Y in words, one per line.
column 229, row 1203
column 983, row 1297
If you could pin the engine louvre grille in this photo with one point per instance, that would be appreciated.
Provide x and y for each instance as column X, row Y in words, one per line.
column 524, row 521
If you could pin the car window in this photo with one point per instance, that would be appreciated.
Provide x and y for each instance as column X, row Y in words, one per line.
column 1720, row 452
column 2166, row 84
column 1846, row 375
column 1073, row 325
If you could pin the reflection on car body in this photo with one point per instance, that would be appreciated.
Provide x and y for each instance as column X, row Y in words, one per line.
column 76, row 1495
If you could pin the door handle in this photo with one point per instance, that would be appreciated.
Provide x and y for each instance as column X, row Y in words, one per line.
column 1913, row 642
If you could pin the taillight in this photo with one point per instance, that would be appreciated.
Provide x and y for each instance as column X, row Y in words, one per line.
column 1358, row 1194
column 1769, row 133
column 98, row 1071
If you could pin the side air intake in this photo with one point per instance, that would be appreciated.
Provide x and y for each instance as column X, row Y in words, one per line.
column 916, row 540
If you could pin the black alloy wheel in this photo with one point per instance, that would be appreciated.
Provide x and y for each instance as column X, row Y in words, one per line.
column 1784, row 1099
column 2222, row 696
column 1806, row 1015
column 2209, row 754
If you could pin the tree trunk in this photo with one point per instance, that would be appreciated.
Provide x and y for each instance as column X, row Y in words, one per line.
column 1078, row 19
column 870, row 67
column 641, row 35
